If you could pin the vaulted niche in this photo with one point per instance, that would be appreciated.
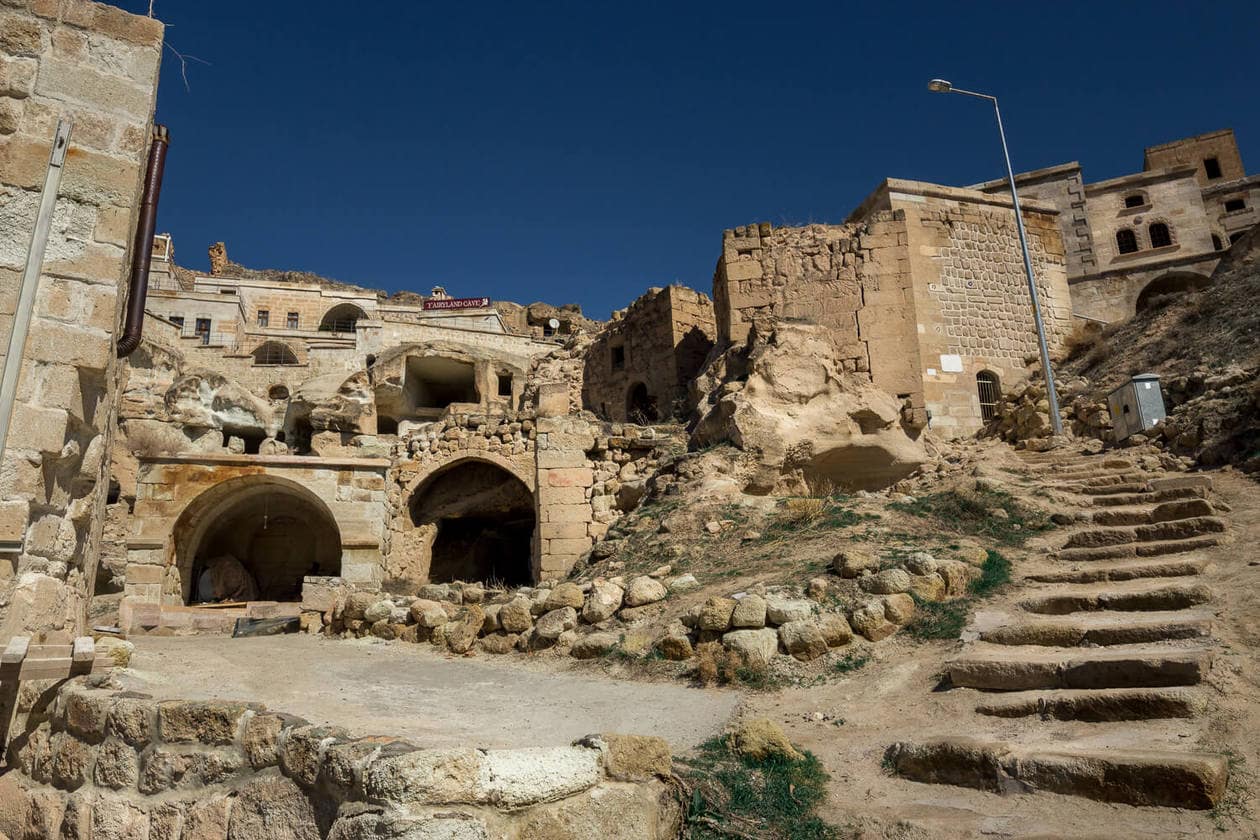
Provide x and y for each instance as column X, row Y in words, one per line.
column 431, row 383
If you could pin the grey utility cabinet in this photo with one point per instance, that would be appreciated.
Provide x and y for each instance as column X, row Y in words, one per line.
column 1137, row 405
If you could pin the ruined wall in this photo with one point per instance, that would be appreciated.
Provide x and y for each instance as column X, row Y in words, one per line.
column 96, row 66
column 659, row 342
column 94, row 762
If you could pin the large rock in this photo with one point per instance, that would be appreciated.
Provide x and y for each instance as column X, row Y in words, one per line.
column 461, row 632
column 803, row 640
column 675, row 647
column 780, row 610
column 760, row 739
column 427, row 613
column 755, row 647
column 516, row 616
column 805, row 417
column 715, row 614
column 566, row 594
column 603, row 602
column 593, row 645
column 551, row 624
column 887, row 582
column 644, row 590
column 854, row 562
column 749, row 612
column 334, row 403
column 835, row 629
column 869, row 620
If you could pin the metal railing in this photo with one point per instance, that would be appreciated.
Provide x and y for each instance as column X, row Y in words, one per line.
column 164, row 284
column 208, row 338
column 347, row 326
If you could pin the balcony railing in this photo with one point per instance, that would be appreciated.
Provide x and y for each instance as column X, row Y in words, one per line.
column 208, row 338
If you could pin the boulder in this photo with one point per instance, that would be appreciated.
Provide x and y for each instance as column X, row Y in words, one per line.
column 551, row 624
column 817, row 589
column 781, row 610
column 675, row 647
column 377, row 611
column 427, row 613
column 928, row 587
column 498, row 642
column 788, row 399
column 921, row 563
column 603, row 602
column 644, row 590
column 887, row 582
column 803, row 640
column 516, row 615
column 715, row 614
column 750, row 611
column 854, row 562
column 357, row 604
column 899, row 609
column 592, row 645
column 755, row 647
column 957, row 576
column 869, row 620
column 566, row 594
column 759, row 739
column 835, row 630
column 682, row 583
column 462, row 631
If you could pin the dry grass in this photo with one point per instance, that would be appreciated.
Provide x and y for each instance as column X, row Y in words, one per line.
column 804, row 510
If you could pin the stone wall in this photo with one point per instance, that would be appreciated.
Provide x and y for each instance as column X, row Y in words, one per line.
column 659, row 343
column 1064, row 188
column 1192, row 151
column 97, row 67
column 94, row 762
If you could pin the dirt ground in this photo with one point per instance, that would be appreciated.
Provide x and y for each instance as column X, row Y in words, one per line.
column 893, row 698
column 377, row 688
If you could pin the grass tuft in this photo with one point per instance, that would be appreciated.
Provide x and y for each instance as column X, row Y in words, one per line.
column 971, row 514
column 994, row 574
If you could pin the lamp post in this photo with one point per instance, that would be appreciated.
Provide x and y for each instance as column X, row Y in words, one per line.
column 942, row 86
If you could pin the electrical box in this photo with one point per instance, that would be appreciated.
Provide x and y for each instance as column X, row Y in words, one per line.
column 1136, row 406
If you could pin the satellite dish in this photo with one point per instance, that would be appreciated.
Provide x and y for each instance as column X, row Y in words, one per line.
column 554, row 324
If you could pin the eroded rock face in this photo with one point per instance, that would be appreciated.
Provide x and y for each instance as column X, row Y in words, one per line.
column 335, row 403
column 806, row 418
column 208, row 400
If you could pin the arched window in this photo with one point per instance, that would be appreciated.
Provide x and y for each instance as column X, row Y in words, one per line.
column 1217, row 244
column 990, row 389
column 274, row 353
column 1161, row 237
column 1126, row 241
column 278, row 392
column 342, row 318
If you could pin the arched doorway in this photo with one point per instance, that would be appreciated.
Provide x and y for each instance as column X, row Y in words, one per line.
column 342, row 318
column 275, row 529
column 479, row 520
column 640, row 406
column 989, row 388
column 1169, row 284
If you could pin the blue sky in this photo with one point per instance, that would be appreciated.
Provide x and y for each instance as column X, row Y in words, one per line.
column 584, row 151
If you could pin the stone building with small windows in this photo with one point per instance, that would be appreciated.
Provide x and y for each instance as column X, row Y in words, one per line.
column 1159, row 231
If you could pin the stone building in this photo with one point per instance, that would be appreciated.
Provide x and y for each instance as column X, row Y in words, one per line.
column 1155, row 232
column 638, row 368
column 96, row 68
column 923, row 289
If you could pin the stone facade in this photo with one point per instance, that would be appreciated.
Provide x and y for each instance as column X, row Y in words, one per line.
column 637, row 369
column 96, row 67
column 103, row 763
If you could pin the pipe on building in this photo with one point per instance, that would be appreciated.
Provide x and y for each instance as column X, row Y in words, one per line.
column 142, row 248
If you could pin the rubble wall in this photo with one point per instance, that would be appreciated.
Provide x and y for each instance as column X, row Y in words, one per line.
column 93, row 762
column 660, row 341
column 96, row 66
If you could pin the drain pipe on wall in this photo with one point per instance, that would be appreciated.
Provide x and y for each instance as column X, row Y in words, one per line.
column 142, row 249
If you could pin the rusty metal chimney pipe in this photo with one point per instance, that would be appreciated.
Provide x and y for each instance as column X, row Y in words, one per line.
column 142, row 248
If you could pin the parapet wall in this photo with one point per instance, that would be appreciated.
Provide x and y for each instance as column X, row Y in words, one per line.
column 94, row 762
column 95, row 66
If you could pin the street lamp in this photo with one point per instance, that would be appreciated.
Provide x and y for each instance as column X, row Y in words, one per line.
column 942, row 86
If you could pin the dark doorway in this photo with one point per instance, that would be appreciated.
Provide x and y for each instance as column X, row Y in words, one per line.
column 990, row 394
column 640, row 406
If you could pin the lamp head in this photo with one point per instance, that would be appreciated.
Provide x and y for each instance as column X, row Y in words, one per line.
column 940, row 86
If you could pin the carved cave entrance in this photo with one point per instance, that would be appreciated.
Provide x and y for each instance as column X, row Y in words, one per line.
column 275, row 531
column 483, row 518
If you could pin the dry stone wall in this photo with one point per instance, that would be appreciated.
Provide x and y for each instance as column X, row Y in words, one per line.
column 95, row 66
column 106, row 764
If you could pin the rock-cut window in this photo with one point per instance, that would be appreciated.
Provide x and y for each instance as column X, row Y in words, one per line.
column 1161, row 237
column 1126, row 241
column 1135, row 200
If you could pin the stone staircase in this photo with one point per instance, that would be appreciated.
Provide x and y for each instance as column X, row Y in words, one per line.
column 1090, row 681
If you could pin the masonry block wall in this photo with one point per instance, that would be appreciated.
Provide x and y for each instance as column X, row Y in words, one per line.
column 97, row 67
column 659, row 342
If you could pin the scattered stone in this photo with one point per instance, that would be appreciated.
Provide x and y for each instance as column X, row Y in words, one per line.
column 661, row 571
column 899, row 609
column 869, row 620
column 682, row 583
column 835, row 630
column 675, row 647
column 921, row 563
column 462, row 631
column 803, row 640
column 780, row 610
column 592, row 645
column 552, row 624
column 516, row 616
column 566, row 594
column 644, row 590
column 759, row 739
column 928, row 587
column 817, row 589
column 887, row 582
column 755, row 647
column 750, row 611
column 715, row 614
column 854, row 562
column 427, row 613
column 713, row 526
column 602, row 603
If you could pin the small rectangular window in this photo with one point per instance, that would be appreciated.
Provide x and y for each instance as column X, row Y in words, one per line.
column 264, row 317
column 292, row 321
column 1235, row 204
column 177, row 320
column 618, row 358
column 1134, row 200
column 505, row 384
column 202, row 328
column 1212, row 167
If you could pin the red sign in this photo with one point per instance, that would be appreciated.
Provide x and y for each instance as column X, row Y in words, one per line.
column 456, row 303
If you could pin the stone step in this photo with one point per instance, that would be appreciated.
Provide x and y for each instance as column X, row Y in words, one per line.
column 1093, row 480
column 991, row 667
column 1094, row 629
column 1161, row 778
column 1145, row 515
column 1128, row 596
column 1148, row 549
column 1181, row 482
column 1102, row 705
column 1177, row 529
column 1099, row 572
column 1122, row 499
column 1113, row 489
column 1087, row 470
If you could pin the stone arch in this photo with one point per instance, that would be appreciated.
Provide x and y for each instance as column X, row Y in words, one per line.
column 274, row 353
column 989, row 389
column 342, row 318
column 276, row 528
column 1167, row 284
column 471, row 517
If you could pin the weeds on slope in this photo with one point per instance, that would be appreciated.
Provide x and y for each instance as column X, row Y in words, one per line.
column 989, row 513
column 769, row 799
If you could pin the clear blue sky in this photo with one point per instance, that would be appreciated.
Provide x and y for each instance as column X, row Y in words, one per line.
column 583, row 151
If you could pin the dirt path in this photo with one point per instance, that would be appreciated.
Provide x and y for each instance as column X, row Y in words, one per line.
column 898, row 697
column 371, row 687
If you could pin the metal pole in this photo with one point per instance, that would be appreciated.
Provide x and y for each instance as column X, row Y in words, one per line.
column 1052, row 395
column 25, row 308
